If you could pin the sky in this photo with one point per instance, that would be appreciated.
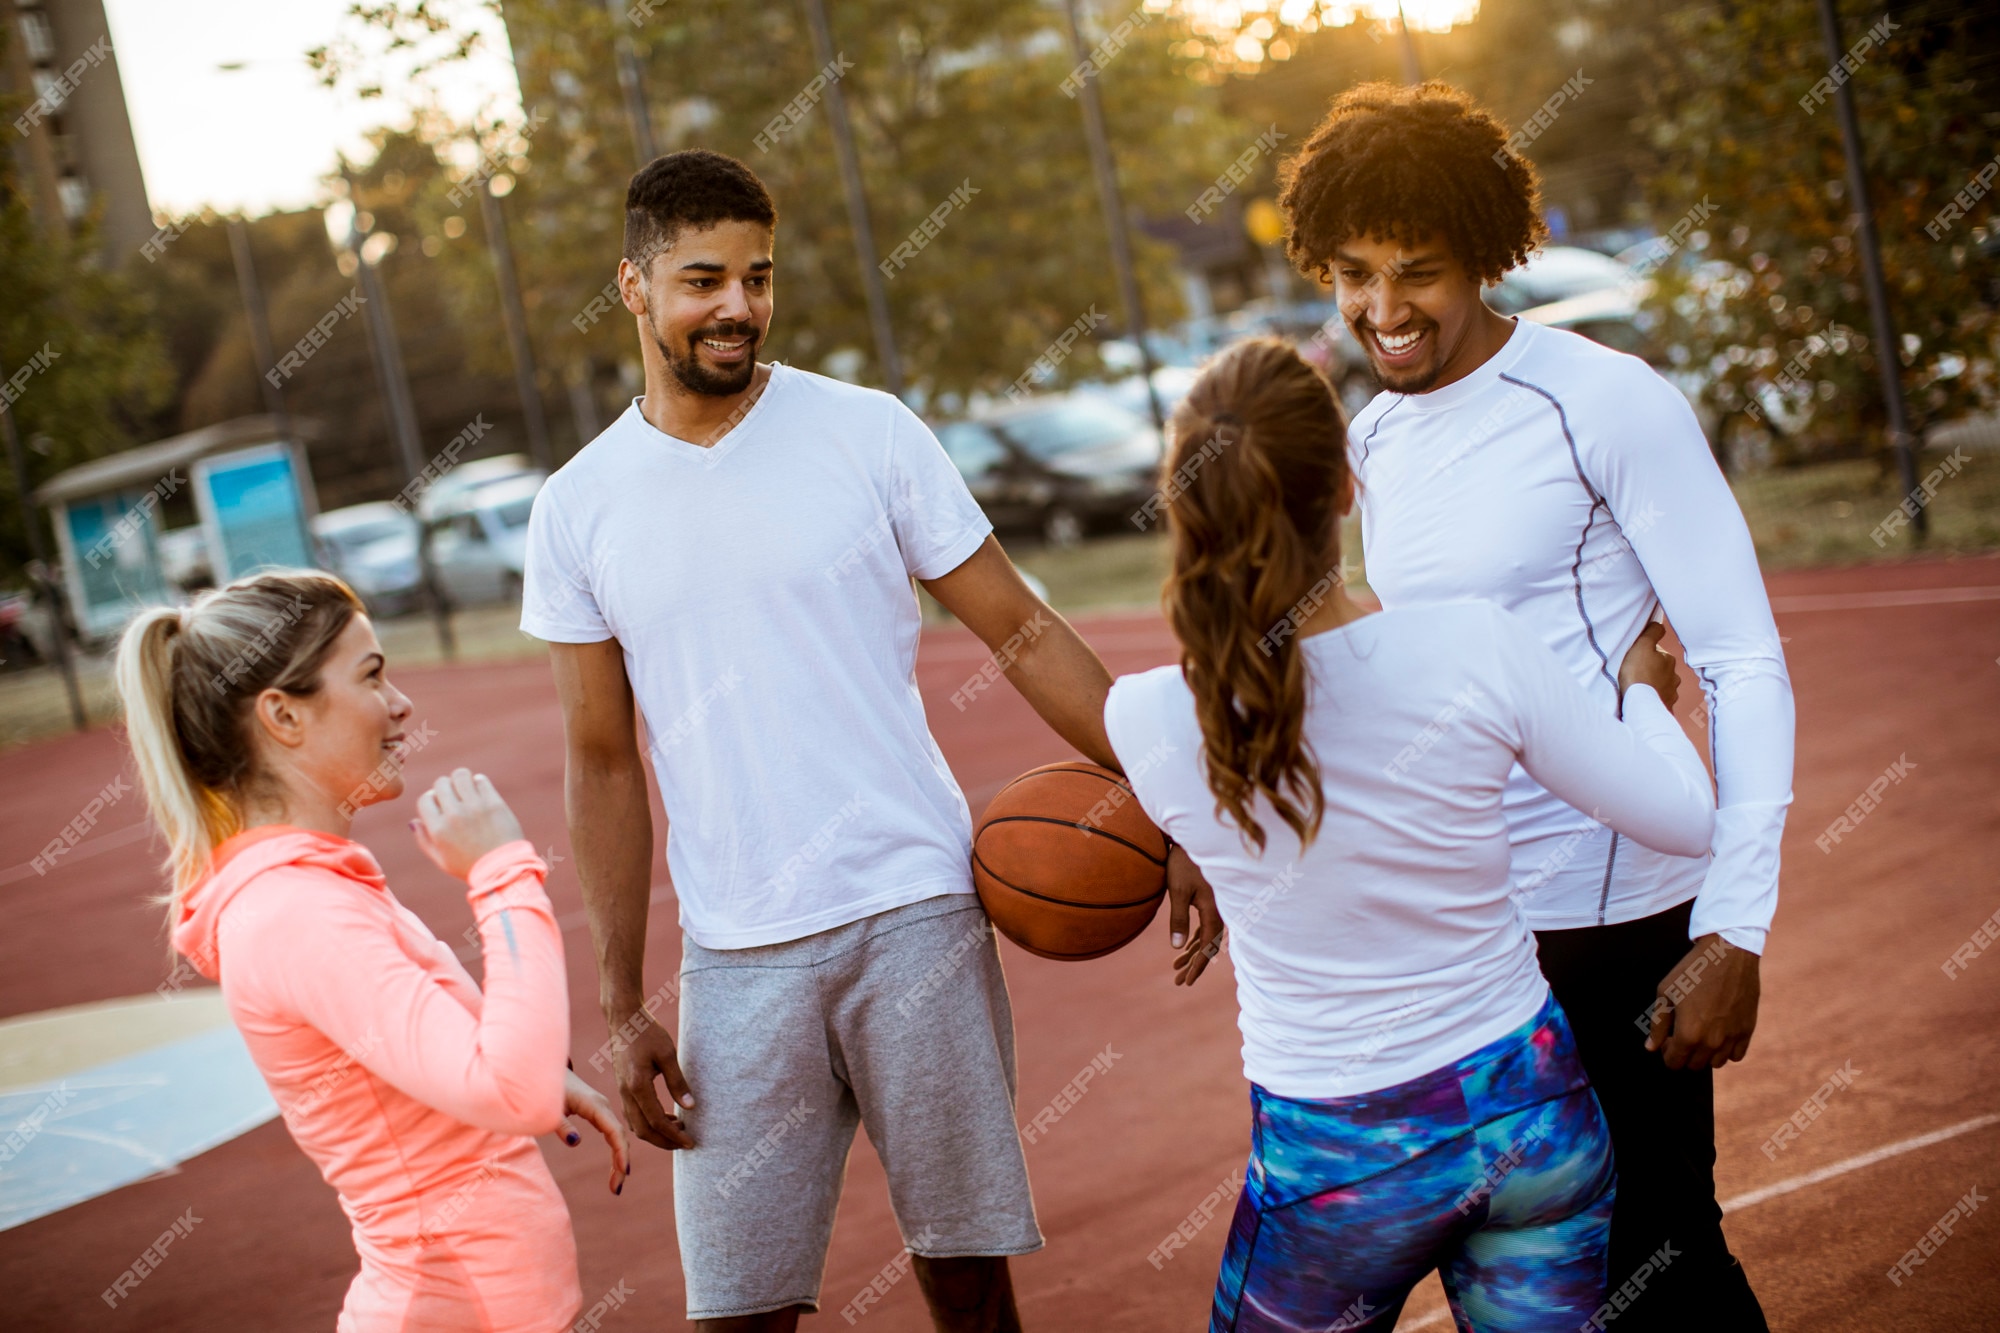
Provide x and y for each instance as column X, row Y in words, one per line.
column 262, row 137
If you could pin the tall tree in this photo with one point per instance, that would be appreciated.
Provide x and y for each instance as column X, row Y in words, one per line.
column 946, row 96
column 1766, row 298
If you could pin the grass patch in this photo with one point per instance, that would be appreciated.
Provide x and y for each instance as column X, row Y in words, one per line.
column 1825, row 513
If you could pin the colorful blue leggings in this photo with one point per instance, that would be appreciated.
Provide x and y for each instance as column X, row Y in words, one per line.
column 1495, row 1170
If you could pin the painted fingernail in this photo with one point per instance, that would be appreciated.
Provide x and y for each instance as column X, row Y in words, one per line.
column 619, row 1188
column 687, row 1099
column 1177, row 939
column 573, row 1139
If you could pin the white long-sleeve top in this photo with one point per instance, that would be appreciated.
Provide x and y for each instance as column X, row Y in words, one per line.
column 1571, row 484
column 1392, row 944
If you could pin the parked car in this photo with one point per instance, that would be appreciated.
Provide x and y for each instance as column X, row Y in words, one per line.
column 479, row 539
column 1057, row 464
column 1555, row 274
column 462, row 479
column 374, row 547
column 17, row 649
column 1170, row 383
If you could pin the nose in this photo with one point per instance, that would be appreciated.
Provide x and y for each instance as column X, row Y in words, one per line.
column 734, row 306
column 1384, row 306
column 400, row 706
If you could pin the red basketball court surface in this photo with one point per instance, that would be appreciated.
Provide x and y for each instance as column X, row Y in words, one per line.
column 1897, row 662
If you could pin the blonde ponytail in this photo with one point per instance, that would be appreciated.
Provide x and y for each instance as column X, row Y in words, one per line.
column 187, row 678
column 180, row 806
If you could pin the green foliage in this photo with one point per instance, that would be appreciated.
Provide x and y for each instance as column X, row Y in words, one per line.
column 105, row 372
column 1775, row 272
column 440, row 292
column 940, row 93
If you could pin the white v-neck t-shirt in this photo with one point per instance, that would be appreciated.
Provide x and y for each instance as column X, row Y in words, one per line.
column 1392, row 946
column 760, row 590
column 1571, row 485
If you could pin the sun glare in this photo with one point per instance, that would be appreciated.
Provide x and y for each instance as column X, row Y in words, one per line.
column 1239, row 36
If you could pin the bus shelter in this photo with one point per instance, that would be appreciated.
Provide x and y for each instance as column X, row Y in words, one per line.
column 246, row 487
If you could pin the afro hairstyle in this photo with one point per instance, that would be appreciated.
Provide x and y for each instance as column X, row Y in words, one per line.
column 1401, row 163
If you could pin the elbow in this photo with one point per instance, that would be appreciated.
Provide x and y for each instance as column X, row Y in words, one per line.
column 527, row 1107
column 1696, row 836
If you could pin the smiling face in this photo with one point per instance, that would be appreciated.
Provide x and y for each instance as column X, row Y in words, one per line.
column 1415, row 311
column 343, row 743
column 705, row 304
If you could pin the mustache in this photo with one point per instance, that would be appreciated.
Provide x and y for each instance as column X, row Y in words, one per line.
column 725, row 331
column 1414, row 326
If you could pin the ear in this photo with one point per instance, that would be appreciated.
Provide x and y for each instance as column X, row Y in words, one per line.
column 632, row 286
column 280, row 718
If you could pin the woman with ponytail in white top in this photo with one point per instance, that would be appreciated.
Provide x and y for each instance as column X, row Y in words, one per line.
column 1416, row 1097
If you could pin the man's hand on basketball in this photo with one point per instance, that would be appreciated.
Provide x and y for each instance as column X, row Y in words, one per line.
column 649, row 1055
column 1185, row 885
column 1646, row 664
column 1707, row 1006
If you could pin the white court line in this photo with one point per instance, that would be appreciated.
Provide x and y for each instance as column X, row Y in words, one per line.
column 1856, row 1163
column 1862, row 601
column 1757, row 1196
column 89, row 847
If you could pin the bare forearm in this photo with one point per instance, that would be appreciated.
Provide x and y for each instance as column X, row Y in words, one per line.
column 1066, row 683
column 611, row 825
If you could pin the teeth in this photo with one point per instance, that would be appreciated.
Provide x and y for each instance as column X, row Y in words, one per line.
column 722, row 346
column 1392, row 342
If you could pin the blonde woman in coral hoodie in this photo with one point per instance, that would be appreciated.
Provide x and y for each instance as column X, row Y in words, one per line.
column 261, row 720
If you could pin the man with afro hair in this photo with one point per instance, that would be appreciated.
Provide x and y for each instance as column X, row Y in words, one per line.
column 1569, row 483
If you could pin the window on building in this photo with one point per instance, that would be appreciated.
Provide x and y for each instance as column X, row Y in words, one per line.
column 37, row 36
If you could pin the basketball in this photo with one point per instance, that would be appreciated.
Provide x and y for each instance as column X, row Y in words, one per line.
column 1067, row 864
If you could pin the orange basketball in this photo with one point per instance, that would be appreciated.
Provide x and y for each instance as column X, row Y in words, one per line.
column 1066, row 862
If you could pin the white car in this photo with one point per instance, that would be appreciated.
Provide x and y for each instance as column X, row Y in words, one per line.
column 1556, row 273
column 374, row 547
column 444, row 494
column 479, row 539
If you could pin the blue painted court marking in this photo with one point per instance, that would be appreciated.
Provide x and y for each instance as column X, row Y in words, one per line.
column 102, row 1127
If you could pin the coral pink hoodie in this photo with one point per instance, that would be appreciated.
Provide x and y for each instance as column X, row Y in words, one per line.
column 414, row 1094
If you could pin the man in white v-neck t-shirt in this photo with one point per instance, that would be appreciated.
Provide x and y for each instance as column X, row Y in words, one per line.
column 1571, row 485
column 732, row 560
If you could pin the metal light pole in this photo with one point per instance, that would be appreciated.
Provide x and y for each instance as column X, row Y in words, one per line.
column 387, row 352
column 631, row 83
column 32, row 521
column 857, row 204
column 260, row 322
column 515, row 317
column 1413, row 73
column 1114, row 213
column 1889, row 354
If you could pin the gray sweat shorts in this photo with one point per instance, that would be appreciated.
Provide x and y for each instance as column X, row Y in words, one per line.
column 898, row 1022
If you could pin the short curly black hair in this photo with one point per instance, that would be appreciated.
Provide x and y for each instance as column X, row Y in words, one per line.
column 1400, row 163
column 692, row 188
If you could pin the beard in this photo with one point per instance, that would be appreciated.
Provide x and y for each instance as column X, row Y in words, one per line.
column 687, row 367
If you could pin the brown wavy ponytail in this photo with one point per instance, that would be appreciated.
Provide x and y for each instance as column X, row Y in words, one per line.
column 1255, row 462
